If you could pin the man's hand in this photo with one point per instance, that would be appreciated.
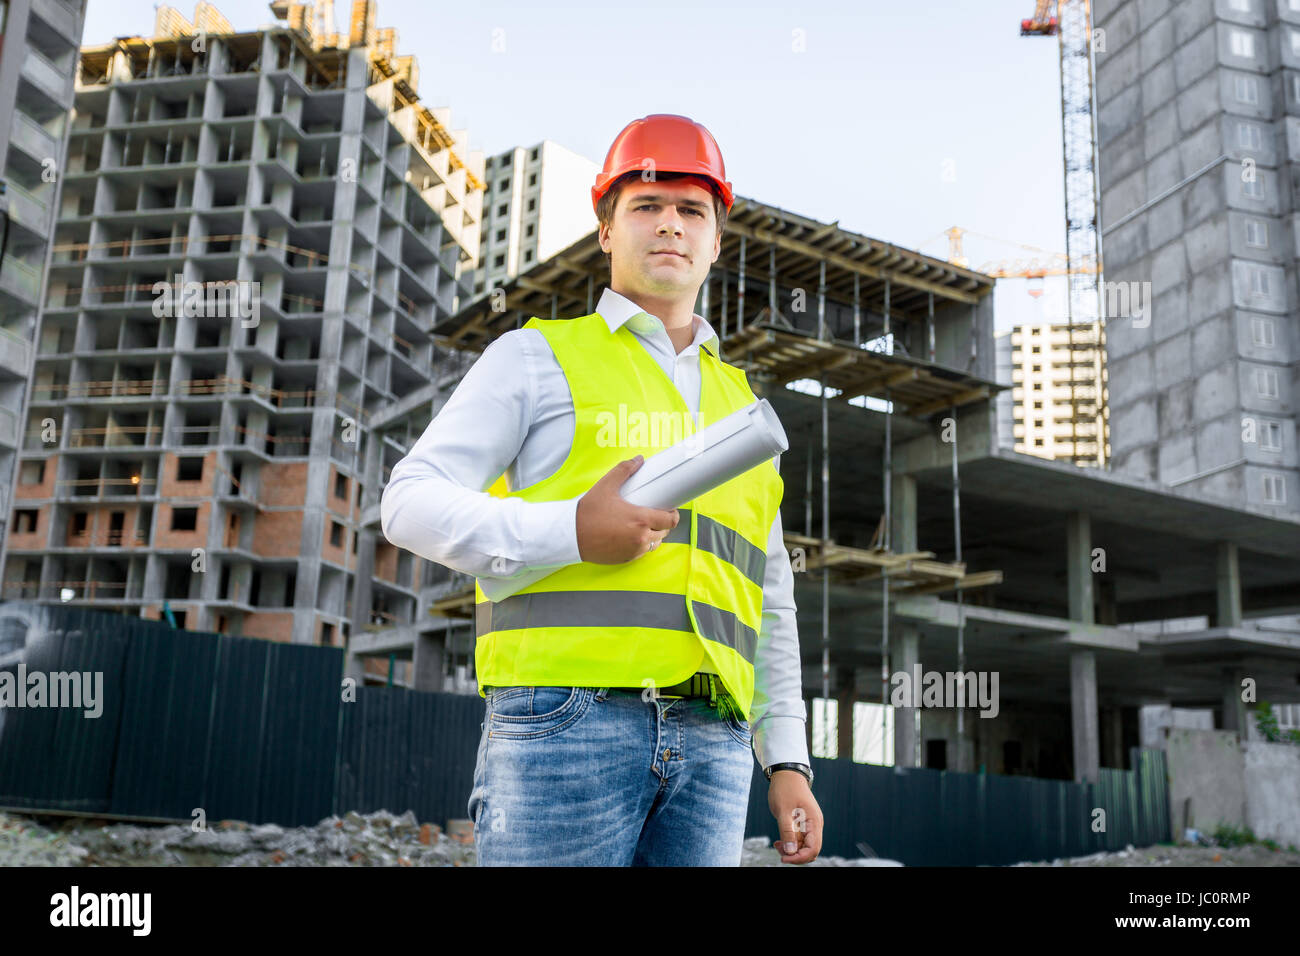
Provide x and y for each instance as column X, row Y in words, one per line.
column 798, row 817
column 612, row 530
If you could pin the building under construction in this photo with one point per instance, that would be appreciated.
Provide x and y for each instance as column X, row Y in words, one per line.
column 214, row 448
column 1057, row 404
column 915, row 538
column 258, row 232
column 38, row 50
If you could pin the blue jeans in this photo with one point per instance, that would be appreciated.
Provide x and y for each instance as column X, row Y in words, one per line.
column 590, row 776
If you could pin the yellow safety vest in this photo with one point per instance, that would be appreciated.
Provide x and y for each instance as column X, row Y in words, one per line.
column 653, row 620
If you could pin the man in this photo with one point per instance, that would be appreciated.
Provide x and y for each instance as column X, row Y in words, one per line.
column 618, row 687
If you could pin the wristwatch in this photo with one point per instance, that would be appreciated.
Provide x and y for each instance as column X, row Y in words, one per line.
column 803, row 768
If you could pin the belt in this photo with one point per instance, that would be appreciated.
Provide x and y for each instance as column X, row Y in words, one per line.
column 699, row 684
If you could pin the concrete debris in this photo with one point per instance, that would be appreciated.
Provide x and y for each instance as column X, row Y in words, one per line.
column 24, row 843
column 1166, row 854
column 375, row 839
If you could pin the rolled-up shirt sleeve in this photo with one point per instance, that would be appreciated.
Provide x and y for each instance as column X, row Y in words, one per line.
column 779, row 709
column 436, row 503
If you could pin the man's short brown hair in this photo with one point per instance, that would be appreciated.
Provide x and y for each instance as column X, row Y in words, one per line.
column 607, row 203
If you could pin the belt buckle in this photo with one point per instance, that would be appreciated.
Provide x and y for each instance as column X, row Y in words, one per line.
column 660, row 695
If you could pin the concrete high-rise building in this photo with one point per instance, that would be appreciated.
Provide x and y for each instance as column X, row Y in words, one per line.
column 1199, row 140
column 537, row 202
column 257, row 232
column 38, row 54
column 1058, row 389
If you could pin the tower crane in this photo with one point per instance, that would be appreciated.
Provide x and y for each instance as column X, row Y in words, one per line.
column 1071, row 22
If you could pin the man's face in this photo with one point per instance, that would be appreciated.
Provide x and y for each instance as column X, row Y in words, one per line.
column 649, row 218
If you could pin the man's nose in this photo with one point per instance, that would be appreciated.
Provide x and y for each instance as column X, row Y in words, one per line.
column 674, row 224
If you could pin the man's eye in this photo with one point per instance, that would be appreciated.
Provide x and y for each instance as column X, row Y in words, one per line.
column 652, row 206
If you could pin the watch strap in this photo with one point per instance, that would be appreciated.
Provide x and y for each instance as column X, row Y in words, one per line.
column 800, row 767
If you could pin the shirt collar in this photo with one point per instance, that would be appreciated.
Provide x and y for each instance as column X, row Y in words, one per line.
column 617, row 309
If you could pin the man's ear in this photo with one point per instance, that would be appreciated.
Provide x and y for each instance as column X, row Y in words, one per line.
column 717, row 247
column 602, row 235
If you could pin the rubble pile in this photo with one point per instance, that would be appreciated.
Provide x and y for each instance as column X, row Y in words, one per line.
column 376, row 839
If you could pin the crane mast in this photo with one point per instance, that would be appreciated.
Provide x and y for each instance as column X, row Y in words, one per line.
column 1071, row 22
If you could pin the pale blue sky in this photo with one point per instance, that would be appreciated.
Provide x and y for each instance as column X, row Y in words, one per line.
column 898, row 119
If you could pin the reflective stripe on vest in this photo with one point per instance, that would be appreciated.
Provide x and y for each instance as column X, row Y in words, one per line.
column 716, row 538
column 613, row 609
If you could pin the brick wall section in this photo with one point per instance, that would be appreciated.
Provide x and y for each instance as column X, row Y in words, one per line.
column 99, row 520
column 169, row 485
column 385, row 561
column 284, row 484
column 340, row 506
column 273, row 626
column 279, row 533
column 338, row 509
column 164, row 537
column 337, row 639
column 30, row 539
column 46, row 488
column 378, row 667
column 385, row 569
column 43, row 490
column 332, row 552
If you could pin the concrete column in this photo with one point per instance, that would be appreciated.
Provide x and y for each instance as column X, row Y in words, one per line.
column 844, row 724
column 906, row 731
column 961, row 756
column 371, row 451
column 1083, row 714
column 427, row 661
column 1229, row 586
column 154, row 572
column 361, row 582
column 1078, row 566
column 902, row 509
column 1234, row 708
column 354, row 667
column 1154, row 718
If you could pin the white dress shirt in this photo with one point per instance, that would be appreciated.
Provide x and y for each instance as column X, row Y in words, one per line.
column 512, row 413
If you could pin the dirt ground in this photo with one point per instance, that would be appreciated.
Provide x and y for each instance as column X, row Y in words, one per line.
column 383, row 839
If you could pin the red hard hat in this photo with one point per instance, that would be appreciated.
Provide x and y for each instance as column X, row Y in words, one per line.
column 674, row 144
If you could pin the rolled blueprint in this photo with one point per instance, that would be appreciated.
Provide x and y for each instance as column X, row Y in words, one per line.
column 698, row 463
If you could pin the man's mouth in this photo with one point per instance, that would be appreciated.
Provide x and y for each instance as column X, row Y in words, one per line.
column 668, row 252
